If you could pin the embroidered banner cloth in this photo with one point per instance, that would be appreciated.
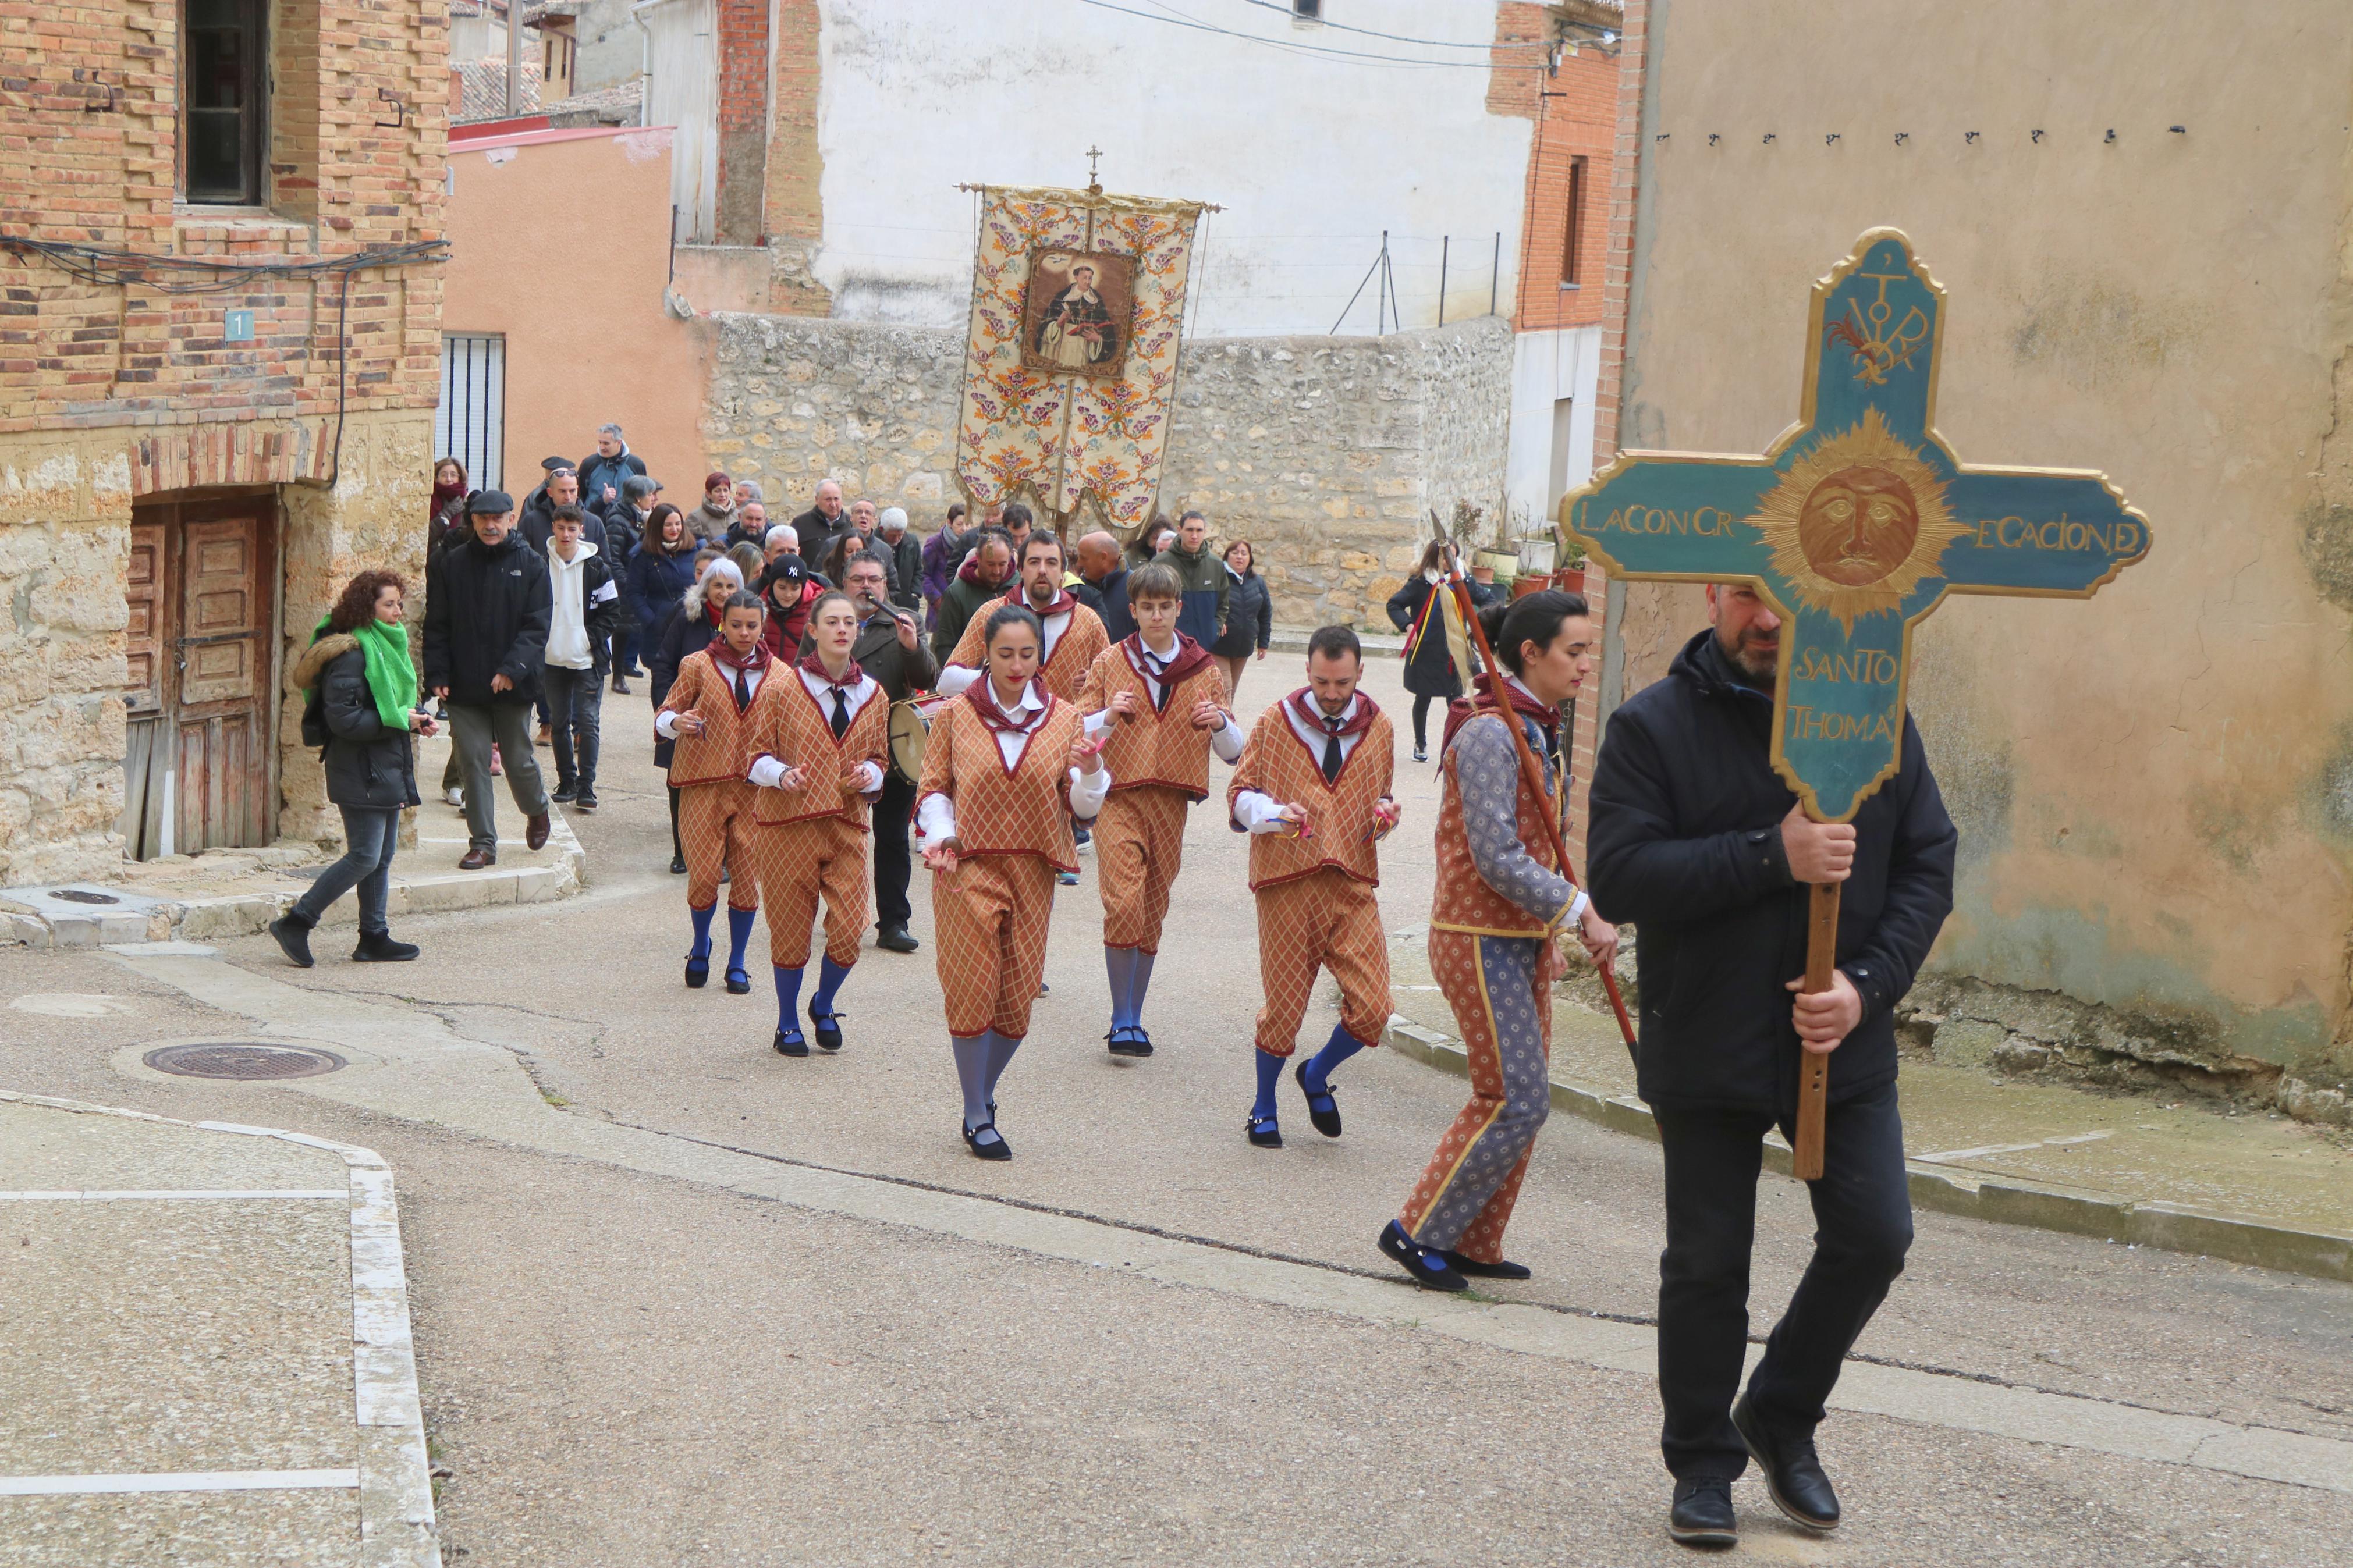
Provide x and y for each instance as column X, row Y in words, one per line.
column 1071, row 356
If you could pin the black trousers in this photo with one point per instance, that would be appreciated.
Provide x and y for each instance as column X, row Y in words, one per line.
column 1863, row 1219
column 891, row 866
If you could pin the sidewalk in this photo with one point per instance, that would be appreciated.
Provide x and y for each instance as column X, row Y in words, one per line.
column 204, row 1350
column 2128, row 1168
column 224, row 893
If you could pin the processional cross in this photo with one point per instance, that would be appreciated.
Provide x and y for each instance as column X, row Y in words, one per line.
column 1854, row 525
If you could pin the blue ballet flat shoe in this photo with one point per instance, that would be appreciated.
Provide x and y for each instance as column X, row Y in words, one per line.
column 739, row 984
column 828, row 1029
column 1322, row 1108
column 698, row 971
column 789, row 1043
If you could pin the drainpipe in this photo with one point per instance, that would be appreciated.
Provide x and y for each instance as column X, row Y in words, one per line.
column 514, row 57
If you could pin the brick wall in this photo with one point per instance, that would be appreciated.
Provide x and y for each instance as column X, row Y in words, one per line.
column 742, row 122
column 795, row 213
column 90, row 96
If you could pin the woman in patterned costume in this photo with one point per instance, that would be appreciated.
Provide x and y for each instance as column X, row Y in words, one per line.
column 818, row 766
column 710, row 711
column 1007, row 768
column 1500, row 903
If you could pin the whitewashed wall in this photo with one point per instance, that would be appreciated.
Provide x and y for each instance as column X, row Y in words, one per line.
column 1550, row 455
column 1311, row 157
column 684, row 91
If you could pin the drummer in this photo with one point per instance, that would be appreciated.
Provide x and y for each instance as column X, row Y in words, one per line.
column 890, row 649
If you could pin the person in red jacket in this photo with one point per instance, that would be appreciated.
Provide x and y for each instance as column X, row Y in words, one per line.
column 787, row 591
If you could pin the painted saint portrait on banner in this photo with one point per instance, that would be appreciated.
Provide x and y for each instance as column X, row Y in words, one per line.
column 1075, row 312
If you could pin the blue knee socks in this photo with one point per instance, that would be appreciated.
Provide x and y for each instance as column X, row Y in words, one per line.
column 1000, row 1054
column 1118, row 962
column 701, row 918
column 972, row 1074
column 788, row 998
column 1338, row 1049
column 829, row 977
column 1139, row 981
column 739, row 936
column 1270, row 1073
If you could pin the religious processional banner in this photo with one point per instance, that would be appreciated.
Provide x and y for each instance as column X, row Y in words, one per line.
column 1857, row 523
column 1071, row 356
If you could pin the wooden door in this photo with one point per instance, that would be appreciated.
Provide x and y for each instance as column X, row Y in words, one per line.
column 200, row 770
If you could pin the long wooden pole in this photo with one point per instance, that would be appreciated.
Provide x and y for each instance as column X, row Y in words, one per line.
column 1530, row 769
column 1814, row 1066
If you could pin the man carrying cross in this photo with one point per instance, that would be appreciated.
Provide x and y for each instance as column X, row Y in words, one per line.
column 1697, row 840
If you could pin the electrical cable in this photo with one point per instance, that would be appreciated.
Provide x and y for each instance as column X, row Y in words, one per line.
column 1604, row 34
column 1313, row 51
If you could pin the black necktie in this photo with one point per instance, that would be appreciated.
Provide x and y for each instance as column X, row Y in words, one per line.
column 840, row 712
column 743, row 691
column 1332, row 751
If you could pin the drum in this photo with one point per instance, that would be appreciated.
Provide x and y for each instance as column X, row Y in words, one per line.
column 910, row 731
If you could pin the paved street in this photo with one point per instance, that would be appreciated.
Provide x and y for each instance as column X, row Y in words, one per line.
column 679, row 1300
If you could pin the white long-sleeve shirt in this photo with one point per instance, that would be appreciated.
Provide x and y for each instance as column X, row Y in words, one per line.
column 666, row 721
column 1225, row 740
column 954, row 678
column 768, row 772
column 935, row 819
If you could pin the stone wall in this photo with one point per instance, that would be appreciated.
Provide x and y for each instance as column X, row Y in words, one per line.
column 1327, row 453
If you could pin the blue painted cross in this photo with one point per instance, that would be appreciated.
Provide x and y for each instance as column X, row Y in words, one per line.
column 1856, row 524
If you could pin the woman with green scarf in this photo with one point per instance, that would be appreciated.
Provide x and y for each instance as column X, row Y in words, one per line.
column 360, row 712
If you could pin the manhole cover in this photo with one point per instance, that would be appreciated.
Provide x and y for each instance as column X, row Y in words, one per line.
column 242, row 1059
column 81, row 896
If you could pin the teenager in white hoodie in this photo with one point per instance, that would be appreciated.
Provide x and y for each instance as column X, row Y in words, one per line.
column 588, row 611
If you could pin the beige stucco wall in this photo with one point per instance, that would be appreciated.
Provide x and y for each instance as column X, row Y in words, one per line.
column 563, row 245
column 2155, row 787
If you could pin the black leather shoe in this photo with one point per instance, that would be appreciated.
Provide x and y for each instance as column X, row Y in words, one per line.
column 1703, row 1516
column 1793, row 1471
column 678, row 865
column 1478, row 1270
column 1327, row 1119
column 791, row 1045
column 1409, row 1255
column 828, row 1029
column 895, row 938
column 988, row 1143
column 1265, row 1131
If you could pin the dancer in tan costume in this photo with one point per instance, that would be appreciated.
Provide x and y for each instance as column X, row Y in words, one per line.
column 1500, row 904
column 711, row 711
column 1159, row 700
column 817, row 761
column 1313, row 791
column 1005, row 772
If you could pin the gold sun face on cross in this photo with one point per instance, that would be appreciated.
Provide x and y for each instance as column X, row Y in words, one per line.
column 1857, row 523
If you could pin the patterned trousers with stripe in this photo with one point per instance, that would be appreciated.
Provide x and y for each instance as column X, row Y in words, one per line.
column 1500, row 990
column 1329, row 921
column 1139, row 849
column 799, row 861
column 714, row 828
column 989, row 919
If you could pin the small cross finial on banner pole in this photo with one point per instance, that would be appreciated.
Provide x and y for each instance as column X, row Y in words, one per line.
column 1094, row 186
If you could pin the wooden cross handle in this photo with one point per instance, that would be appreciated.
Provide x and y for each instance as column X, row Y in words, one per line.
column 1814, row 1066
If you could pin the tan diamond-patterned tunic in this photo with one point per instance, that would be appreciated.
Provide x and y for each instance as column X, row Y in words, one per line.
column 1316, row 905
column 714, row 802
column 811, row 842
column 1160, row 766
column 990, row 915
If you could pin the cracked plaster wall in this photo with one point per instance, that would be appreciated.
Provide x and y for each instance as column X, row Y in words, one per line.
column 2155, row 788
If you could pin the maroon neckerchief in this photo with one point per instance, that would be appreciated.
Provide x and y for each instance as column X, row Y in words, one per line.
column 1461, row 710
column 816, row 666
column 723, row 660
column 1190, row 656
column 1304, row 702
column 1062, row 605
column 982, row 698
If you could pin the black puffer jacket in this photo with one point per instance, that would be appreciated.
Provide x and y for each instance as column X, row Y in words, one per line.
column 487, row 610
column 1687, row 845
column 367, row 764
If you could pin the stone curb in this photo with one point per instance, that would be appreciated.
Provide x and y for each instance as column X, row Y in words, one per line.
column 395, row 1484
column 2169, row 1226
column 1294, row 639
column 226, row 915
